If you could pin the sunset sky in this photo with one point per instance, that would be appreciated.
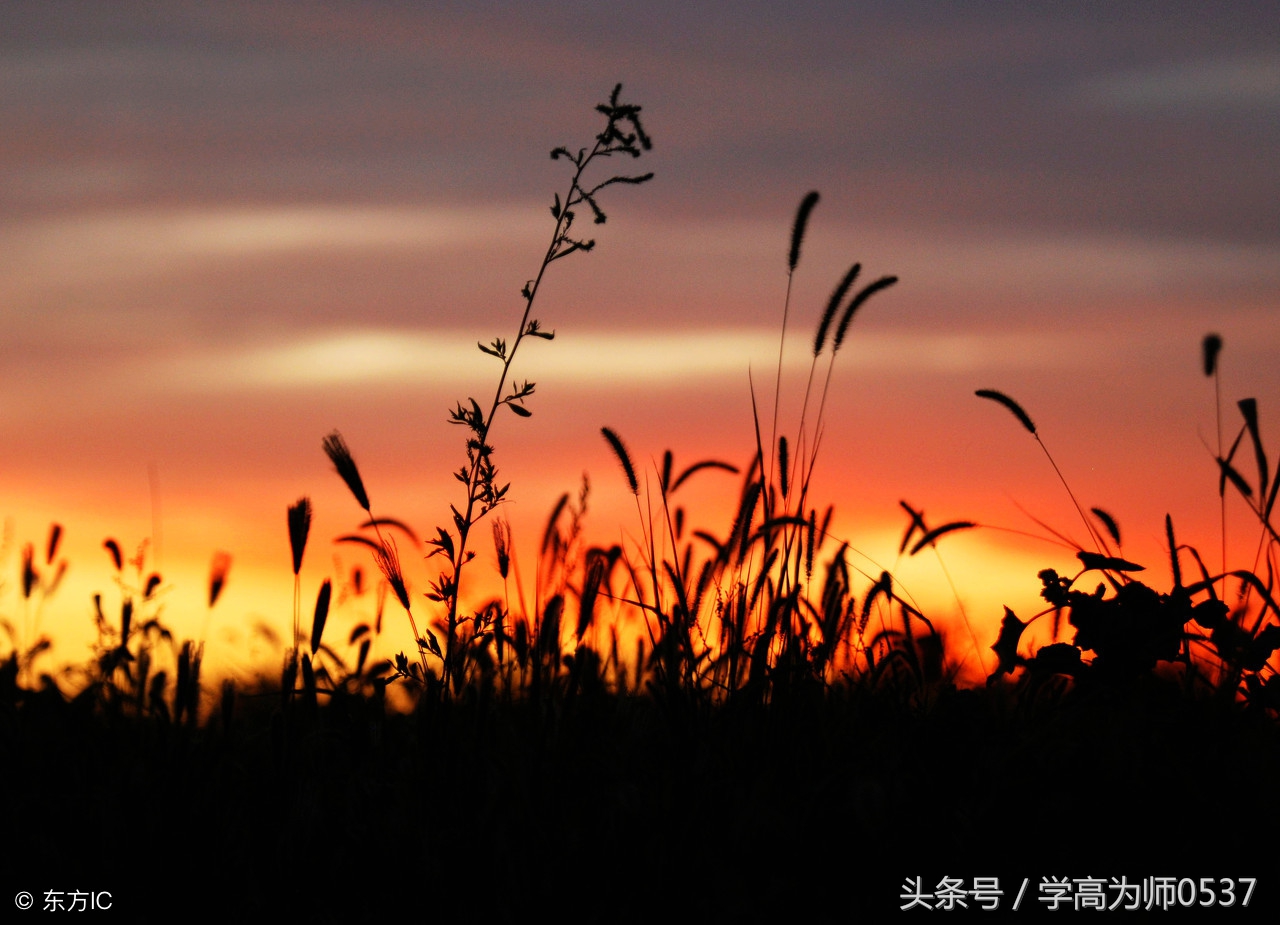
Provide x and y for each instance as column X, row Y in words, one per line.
column 228, row 229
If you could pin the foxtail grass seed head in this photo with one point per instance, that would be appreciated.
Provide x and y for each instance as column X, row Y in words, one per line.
column 820, row 339
column 1009, row 403
column 112, row 547
column 597, row 570
column 916, row 524
column 855, row 303
column 502, row 546
column 321, row 615
column 798, row 229
column 1210, row 349
column 783, row 460
column 624, row 458
column 336, row 449
column 30, row 578
column 218, row 576
column 810, row 542
column 388, row 559
column 299, row 527
column 1109, row 522
column 55, row 537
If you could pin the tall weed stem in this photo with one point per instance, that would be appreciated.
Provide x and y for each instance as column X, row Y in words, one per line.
column 623, row 134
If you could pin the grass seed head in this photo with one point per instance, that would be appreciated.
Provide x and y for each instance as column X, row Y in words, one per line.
column 1010, row 404
column 218, row 576
column 30, row 577
column 1210, row 349
column 855, row 303
column 112, row 547
column 798, row 229
column 299, row 527
column 336, row 449
column 321, row 615
column 55, row 536
column 783, row 461
column 624, row 458
column 1109, row 522
column 820, row 339
column 502, row 546
column 388, row 559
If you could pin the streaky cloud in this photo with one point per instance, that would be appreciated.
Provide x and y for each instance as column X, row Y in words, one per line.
column 1231, row 83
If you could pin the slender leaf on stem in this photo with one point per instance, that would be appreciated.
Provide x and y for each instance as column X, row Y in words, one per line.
column 1249, row 409
column 917, row 524
column 933, row 535
column 699, row 466
column 1092, row 560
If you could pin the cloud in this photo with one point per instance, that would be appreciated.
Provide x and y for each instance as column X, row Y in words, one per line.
column 139, row 242
column 1235, row 83
column 623, row 360
column 372, row 357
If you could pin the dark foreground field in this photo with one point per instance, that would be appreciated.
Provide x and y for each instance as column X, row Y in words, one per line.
column 606, row 808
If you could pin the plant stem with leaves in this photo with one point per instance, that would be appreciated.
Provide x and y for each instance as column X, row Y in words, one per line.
column 622, row 134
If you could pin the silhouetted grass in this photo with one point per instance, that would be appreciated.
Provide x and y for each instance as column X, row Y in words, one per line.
column 782, row 736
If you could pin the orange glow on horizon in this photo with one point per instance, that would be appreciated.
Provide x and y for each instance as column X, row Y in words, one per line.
column 962, row 587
